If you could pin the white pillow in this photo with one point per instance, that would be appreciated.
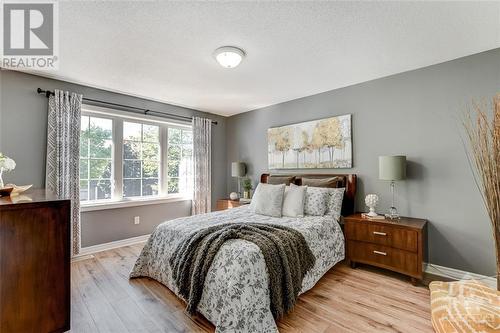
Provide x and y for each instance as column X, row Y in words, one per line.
column 334, row 206
column 268, row 199
column 293, row 201
column 316, row 201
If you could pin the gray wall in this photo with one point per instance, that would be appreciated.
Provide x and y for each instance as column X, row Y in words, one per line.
column 23, row 131
column 417, row 114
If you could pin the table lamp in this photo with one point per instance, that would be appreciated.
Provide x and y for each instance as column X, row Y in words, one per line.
column 238, row 169
column 392, row 168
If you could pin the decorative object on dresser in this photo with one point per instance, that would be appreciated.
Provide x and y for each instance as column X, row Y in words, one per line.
column 13, row 190
column 371, row 201
column 35, row 256
column 392, row 168
column 17, row 189
column 233, row 196
column 6, row 164
column 238, row 170
column 324, row 143
column 395, row 245
column 223, row 204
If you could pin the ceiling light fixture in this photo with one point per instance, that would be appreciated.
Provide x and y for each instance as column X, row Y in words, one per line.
column 229, row 56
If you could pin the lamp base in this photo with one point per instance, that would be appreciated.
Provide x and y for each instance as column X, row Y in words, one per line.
column 372, row 212
column 393, row 214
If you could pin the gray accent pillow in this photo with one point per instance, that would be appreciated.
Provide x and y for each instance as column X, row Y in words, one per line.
column 322, row 182
column 293, row 201
column 275, row 180
column 316, row 201
column 334, row 206
column 268, row 199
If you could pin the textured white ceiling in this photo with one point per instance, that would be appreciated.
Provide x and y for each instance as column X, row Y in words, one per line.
column 163, row 50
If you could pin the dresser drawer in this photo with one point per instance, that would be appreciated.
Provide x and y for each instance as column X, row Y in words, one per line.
column 383, row 256
column 373, row 232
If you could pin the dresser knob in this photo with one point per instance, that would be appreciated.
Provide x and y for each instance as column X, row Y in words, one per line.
column 381, row 253
column 379, row 233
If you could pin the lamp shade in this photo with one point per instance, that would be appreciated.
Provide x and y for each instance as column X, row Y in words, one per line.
column 392, row 167
column 238, row 169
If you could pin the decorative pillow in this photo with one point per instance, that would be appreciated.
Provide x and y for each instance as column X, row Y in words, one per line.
column 275, row 180
column 322, row 182
column 316, row 201
column 334, row 206
column 268, row 199
column 293, row 201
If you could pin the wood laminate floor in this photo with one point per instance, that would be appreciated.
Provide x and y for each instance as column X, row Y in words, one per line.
column 103, row 299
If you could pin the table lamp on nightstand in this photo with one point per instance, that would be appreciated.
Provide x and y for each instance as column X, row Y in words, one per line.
column 238, row 170
column 392, row 168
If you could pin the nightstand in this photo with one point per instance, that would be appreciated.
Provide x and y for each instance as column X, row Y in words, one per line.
column 397, row 245
column 223, row 204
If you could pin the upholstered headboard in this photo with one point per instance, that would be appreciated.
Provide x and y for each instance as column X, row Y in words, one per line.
column 346, row 180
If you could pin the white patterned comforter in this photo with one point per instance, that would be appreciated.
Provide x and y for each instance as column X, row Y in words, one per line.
column 236, row 294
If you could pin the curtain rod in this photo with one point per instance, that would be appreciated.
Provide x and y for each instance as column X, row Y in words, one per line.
column 48, row 93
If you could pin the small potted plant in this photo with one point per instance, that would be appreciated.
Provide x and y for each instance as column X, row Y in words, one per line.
column 6, row 164
column 247, row 187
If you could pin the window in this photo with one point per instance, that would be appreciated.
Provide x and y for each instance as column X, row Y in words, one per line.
column 141, row 159
column 124, row 159
column 180, row 160
column 96, row 158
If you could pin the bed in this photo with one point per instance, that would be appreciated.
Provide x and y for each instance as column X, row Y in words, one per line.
column 235, row 294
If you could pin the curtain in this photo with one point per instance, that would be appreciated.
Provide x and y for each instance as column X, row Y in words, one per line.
column 63, row 151
column 202, row 139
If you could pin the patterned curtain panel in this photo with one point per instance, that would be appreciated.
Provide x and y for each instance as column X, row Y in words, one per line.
column 202, row 151
column 63, row 152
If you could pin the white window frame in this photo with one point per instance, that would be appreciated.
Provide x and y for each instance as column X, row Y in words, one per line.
column 117, row 200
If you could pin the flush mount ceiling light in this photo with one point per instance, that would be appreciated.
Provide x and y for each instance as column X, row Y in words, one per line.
column 229, row 56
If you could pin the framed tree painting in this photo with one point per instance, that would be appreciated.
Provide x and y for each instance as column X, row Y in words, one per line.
column 317, row 144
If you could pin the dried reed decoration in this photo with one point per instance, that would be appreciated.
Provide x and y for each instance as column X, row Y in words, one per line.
column 483, row 132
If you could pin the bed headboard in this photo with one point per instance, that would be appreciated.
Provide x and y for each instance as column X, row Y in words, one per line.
column 348, row 181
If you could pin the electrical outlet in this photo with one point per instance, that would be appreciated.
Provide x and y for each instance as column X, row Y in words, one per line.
column 137, row 220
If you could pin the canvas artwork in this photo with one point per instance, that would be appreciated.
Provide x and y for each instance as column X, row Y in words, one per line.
column 324, row 143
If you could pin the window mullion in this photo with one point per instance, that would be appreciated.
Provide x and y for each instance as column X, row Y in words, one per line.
column 88, row 160
column 163, row 160
column 118, row 158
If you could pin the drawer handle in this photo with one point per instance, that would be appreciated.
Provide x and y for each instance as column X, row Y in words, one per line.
column 379, row 233
column 381, row 253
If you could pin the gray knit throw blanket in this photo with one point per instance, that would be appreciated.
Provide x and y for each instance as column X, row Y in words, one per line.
column 287, row 256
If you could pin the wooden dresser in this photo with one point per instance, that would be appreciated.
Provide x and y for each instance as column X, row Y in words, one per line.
column 223, row 204
column 34, row 263
column 397, row 245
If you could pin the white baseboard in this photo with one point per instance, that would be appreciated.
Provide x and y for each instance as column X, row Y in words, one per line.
column 80, row 257
column 456, row 274
column 442, row 271
column 89, row 250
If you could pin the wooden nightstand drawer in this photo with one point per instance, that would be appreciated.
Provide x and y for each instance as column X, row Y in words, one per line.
column 383, row 256
column 373, row 232
column 223, row 204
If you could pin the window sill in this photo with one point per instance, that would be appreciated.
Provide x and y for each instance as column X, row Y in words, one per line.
column 94, row 206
